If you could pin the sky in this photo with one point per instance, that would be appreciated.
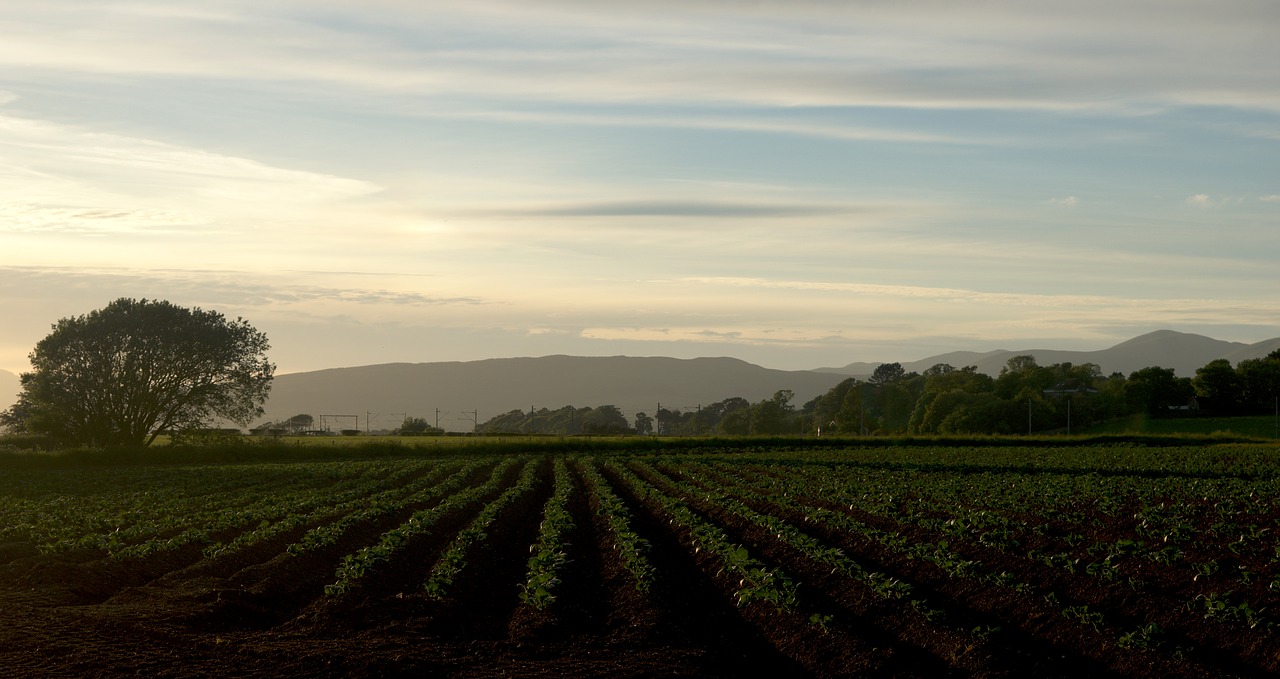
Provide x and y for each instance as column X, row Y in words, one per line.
column 796, row 184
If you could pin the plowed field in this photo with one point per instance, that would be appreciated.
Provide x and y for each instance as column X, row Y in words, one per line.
column 1122, row 561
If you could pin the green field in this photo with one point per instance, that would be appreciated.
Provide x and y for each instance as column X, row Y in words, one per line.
column 1260, row 426
column 638, row 557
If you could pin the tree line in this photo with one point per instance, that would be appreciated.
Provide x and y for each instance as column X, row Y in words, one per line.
column 135, row 369
column 1024, row 397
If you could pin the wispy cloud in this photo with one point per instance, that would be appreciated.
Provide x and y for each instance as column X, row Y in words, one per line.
column 669, row 208
column 311, row 318
column 19, row 217
column 69, row 151
column 1033, row 55
column 221, row 288
column 64, row 179
column 804, row 174
column 771, row 123
column 1203, row 200
column 1045, row 306
column 790, row 337
column 906, row 315
column 911, row 292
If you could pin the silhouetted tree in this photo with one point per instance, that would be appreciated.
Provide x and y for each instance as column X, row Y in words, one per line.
column 644, row 424
column 416, row 426
column 887, row 373
column 1260, row 381
column 606, row 419
column 1155, row 390
column 125, row 373
column 1220, row 387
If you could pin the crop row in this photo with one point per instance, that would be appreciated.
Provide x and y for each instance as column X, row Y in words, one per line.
column 355, row 566
column 756, row 581
column 454, row 560
column 551, row 552
column 631, row 547
column 387, row 502
column 957, row 544
column 1066, row 557
column 165, row 502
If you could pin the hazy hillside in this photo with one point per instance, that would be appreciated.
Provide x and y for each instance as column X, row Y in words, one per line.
column 1184, row 352
column 496, row 386
column 1254, row 350
column 491, row 387
column 9, row 388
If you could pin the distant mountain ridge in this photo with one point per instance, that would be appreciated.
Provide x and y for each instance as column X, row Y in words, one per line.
column 1183, row 352
column 494, row 386
column 387, row 392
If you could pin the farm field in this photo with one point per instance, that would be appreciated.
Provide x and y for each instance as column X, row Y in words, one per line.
column 1258, row 426
column 1078, row 560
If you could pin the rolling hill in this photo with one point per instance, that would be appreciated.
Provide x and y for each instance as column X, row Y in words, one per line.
column 1184, row 352
column 463, row 391
column 385, row 393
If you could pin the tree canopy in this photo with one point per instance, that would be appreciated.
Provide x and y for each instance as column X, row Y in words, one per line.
column 943, row 399
column 125, row 373
column 417, row 426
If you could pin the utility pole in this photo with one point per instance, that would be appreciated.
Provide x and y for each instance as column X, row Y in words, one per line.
column 367, row 416
column 475, row 419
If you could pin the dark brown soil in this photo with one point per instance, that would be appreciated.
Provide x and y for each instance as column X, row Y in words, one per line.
column 263, row 612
